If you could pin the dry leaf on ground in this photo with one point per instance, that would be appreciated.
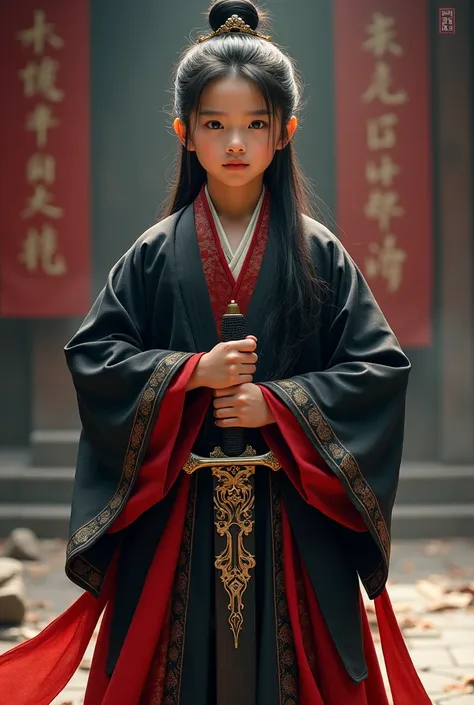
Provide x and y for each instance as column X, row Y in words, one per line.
column 464, row 588
column 465, row 687
column 415, row 623
column 453, row 600
column 443, row 595
column 431, row 589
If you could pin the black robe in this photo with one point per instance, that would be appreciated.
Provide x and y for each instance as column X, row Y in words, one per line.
column 347, row 391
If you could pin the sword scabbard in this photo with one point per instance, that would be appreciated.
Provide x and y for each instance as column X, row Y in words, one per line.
column 233, row 474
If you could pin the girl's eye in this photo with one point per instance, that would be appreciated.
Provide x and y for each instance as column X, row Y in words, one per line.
column 258, row 124
column 213, row 124
column 255, row 125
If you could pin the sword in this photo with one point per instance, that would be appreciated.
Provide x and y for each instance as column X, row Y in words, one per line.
column 233, row 469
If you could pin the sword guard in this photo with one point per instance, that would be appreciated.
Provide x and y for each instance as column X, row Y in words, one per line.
column 218, row 458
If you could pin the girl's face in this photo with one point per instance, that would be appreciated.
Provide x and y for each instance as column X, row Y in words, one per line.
column 232, row 124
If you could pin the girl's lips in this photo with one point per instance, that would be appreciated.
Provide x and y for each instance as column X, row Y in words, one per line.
column 236, row 166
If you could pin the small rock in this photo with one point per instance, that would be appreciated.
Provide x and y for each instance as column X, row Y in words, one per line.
column 13, row 601
column 24, row 545
column 9, row 568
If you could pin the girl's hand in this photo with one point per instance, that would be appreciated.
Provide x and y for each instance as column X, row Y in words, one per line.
column 242, row 405
column 226, row 365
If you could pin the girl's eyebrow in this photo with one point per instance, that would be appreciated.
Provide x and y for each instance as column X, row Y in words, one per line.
column 208, row 111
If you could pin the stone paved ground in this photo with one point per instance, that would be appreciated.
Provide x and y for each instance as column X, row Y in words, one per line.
column 441, row 642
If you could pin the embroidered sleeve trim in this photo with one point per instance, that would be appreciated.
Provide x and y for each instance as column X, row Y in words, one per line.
column 87, row 575
column 285, row 643
column 180, row 602
column 376, row 581
column 345, row 466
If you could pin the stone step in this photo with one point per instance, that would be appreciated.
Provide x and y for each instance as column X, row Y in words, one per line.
column 36, row 485
column 433, row 501
column 432, row 483
column 428, row 521
column 409, row 521
column 46, row 520
column 420, row 483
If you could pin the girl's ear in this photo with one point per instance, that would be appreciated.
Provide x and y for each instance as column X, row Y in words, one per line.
column 180, row 129
column 290, row 131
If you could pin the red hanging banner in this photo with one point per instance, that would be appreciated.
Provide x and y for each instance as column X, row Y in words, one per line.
column 44, row 165
column 384, row 200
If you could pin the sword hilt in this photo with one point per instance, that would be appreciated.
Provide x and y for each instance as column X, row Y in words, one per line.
column 233, row 328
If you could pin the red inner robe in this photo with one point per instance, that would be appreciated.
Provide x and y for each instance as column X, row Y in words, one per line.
column 51, row 658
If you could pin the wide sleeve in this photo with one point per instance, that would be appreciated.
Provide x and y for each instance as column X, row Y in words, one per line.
column 119, row 380
column 121, row 383
column 353, row 409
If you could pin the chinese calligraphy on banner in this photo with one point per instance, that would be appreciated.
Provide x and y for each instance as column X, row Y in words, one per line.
column 384, row 200
column 44, row 170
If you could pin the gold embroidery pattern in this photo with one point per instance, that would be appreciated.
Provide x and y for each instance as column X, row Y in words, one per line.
column 376, row 580
column 85, row 572
column 88, row 533
column 287, row 662
column 344, row 462
column 234, row 502
column 179, row 609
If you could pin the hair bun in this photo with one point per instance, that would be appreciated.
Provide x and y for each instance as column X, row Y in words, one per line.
column 223, row 9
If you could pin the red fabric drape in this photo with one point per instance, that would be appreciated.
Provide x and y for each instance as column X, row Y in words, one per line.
column 311, row 477
column 130, row 675
column 34, row 672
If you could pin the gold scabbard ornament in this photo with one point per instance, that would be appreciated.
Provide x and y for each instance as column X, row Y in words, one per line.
column 234, row 503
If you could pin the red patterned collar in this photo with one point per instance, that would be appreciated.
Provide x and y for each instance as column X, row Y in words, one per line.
column 220, row 282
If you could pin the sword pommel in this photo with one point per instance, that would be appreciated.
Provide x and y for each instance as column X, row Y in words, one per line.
column 233, row 309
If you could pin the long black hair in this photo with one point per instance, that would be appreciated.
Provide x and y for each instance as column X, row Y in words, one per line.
column 294, row 310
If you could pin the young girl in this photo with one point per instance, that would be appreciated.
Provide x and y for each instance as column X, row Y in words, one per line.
column 231, row 585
